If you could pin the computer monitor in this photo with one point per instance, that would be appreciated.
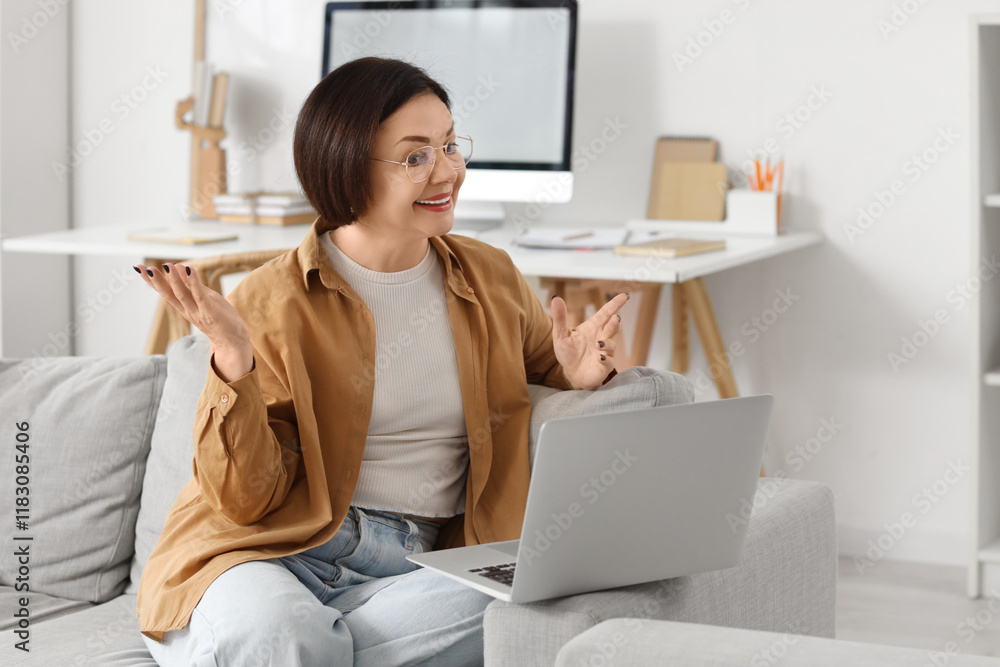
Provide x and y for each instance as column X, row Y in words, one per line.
column 509, row 69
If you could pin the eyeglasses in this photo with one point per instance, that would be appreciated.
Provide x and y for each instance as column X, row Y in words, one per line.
column 420, row 163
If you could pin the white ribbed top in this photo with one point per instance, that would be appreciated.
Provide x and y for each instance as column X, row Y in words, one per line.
column 416, row 455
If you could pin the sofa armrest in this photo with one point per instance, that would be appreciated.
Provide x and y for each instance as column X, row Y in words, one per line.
column 785, row 582
column 629, row 641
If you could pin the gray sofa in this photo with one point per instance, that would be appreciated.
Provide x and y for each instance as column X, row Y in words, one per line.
column 629, row 641
column 107, row 446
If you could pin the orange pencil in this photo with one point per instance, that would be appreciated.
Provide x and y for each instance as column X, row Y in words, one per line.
column 756, row 164
column 781, row 174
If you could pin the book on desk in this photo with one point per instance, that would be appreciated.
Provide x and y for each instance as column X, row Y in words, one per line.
column 671, row 247
column 186, row 237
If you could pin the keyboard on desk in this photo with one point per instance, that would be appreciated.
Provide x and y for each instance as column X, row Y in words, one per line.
column 501, row 573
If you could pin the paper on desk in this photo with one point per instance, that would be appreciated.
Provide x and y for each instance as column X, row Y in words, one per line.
column 563, row 237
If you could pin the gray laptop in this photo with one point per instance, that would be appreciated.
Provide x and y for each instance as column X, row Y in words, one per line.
column 625, row 498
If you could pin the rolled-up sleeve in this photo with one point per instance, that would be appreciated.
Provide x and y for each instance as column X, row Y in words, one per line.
column 246, row 445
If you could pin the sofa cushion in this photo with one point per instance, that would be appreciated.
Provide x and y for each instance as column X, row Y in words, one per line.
column 40, row 607
column 105, row 635
column 639, row 641
column 632, row 389
column 172, row 449
column 90, row 423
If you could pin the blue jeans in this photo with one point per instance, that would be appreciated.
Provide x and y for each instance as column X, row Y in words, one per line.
column 354, row 600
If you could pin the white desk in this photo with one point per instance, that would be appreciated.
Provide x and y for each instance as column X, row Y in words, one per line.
column 601, row 264
column 110, row 240
column 556, row 265
column 605, row 265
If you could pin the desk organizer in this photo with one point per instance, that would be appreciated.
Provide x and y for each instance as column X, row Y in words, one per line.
column 748, row 212
column 208, row 162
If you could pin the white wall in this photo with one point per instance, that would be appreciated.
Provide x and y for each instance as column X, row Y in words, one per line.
column 34, row 124
column 887, row 98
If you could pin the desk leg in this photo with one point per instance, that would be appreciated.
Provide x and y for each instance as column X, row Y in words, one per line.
column 711, row 339
column 159, row 335
column 644, row 325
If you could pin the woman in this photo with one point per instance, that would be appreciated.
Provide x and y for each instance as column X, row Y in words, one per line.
column 325, row 454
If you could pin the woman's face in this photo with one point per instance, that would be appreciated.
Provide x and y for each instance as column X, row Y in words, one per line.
column 423, row 121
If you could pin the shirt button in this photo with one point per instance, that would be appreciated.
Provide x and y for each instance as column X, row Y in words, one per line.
column 470, row 290
column 224, row 398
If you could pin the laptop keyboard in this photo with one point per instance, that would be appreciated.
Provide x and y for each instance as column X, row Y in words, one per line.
column 502, row 573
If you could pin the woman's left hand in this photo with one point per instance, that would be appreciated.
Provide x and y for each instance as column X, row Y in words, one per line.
column 587, row 353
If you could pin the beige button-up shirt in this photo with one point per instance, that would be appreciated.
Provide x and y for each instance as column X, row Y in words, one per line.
column 278, row 451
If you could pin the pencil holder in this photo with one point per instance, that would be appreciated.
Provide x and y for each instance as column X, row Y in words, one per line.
column 208, row 162
column 748, row 212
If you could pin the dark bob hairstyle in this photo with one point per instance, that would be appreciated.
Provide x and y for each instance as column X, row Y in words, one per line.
column 336, row 128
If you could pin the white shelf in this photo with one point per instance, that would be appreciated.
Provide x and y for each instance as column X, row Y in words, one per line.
column 991, row 552
column 984, row 564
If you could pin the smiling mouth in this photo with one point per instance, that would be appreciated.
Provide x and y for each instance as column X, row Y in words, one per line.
column 435, row 202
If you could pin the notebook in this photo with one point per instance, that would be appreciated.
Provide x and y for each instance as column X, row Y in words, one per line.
column 671, row 247
column 168, row 235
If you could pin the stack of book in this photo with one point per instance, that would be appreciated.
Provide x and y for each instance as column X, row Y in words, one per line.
column 264, row 208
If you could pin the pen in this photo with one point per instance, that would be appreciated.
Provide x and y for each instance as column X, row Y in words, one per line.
column 581, row 235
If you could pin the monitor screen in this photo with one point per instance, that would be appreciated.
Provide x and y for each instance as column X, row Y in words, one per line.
column 507, row 65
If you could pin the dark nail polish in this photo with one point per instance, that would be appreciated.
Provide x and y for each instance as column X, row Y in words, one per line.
column 150, row 272
column 619, row 317
column 137, row 270
column 553, row 296
column 166, row 267
column 600, row 343
column 602, row 357
column 627, row 296
column 188, row 269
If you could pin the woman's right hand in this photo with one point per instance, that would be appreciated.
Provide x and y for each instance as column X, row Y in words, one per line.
column 200, row 305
